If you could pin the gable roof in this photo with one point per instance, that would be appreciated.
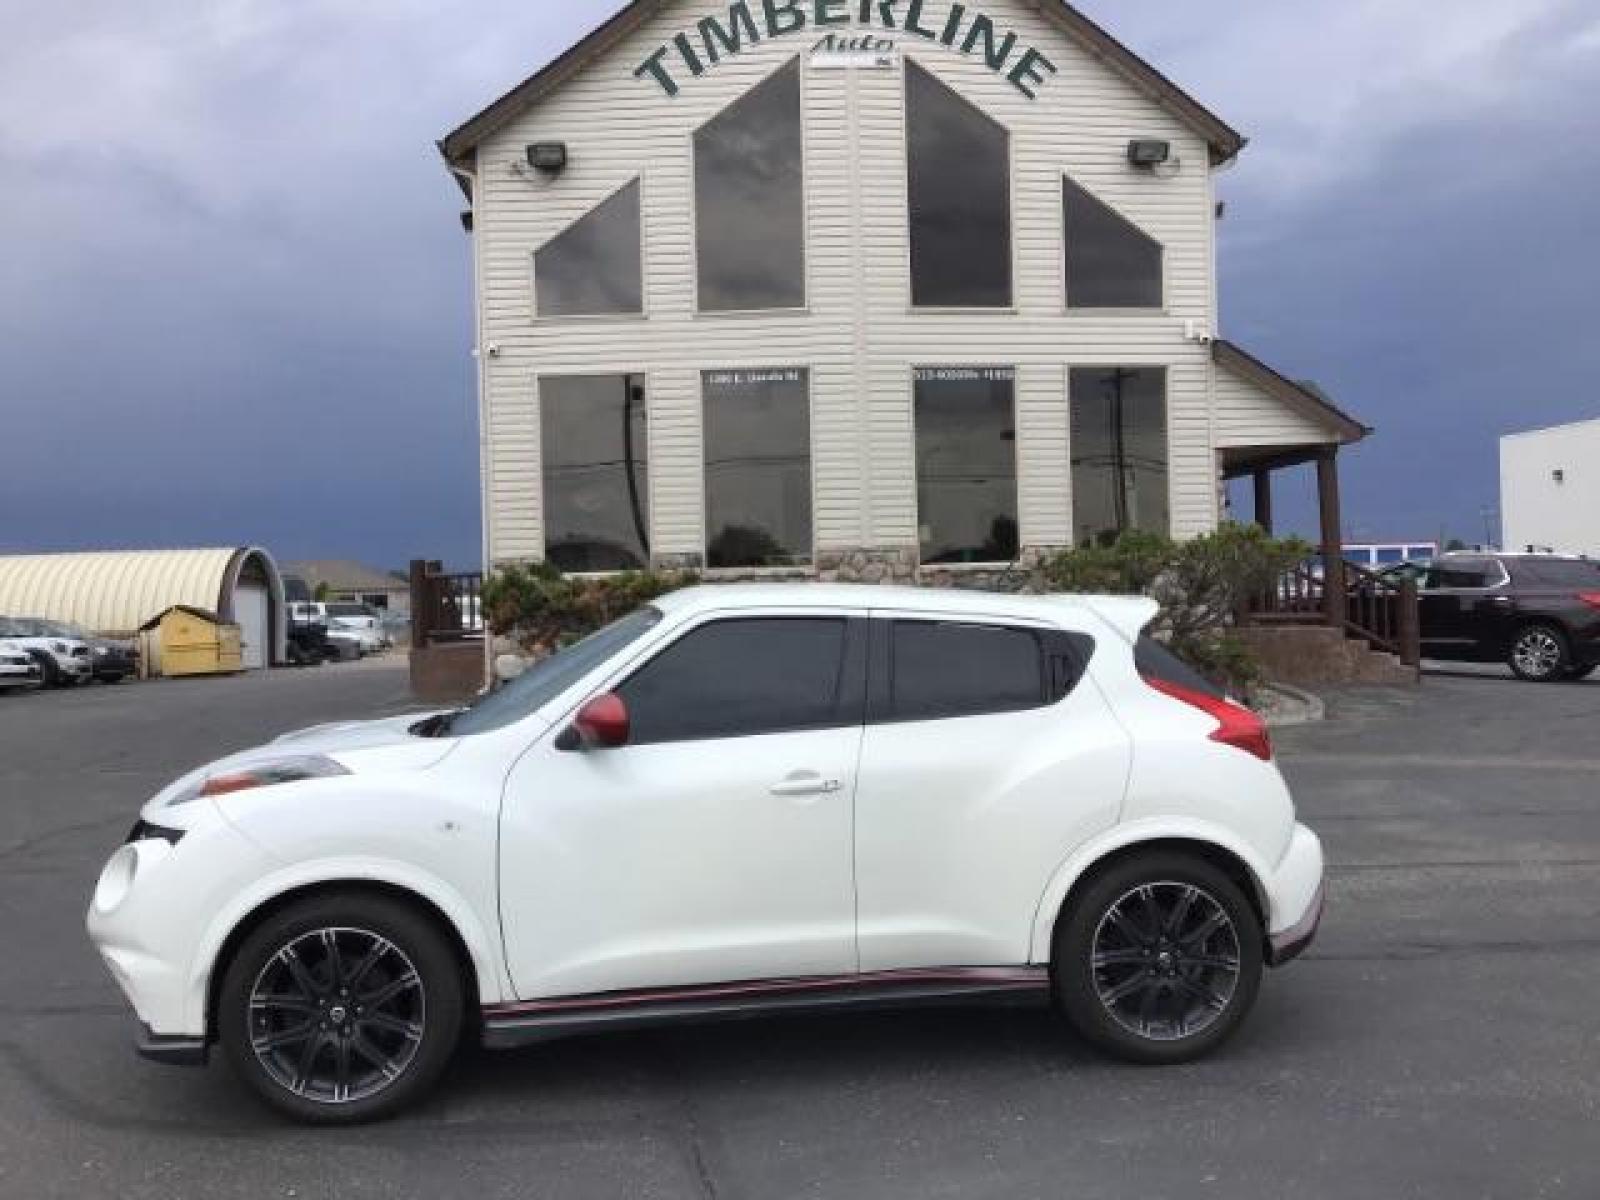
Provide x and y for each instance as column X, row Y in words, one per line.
column 1224, row 140
column 343, row 575
column 1305, row 399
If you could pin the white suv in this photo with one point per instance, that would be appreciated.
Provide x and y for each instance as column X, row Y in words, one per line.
column 739, row 799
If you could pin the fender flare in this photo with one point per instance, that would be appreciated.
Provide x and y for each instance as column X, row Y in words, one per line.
column 481, row 948
column 1121, row 837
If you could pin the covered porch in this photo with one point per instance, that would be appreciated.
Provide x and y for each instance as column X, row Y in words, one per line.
column 1269, row 424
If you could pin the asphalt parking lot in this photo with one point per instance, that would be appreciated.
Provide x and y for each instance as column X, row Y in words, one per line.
column 1441, row 1039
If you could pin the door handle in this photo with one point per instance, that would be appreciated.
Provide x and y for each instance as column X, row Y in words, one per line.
column 805, row 784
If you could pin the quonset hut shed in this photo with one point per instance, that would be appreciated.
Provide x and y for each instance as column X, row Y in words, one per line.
column 117, row 592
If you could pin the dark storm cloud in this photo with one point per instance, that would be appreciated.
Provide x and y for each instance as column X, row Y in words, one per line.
column 235, row 305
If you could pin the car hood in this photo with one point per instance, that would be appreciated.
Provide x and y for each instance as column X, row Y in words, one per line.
column 358, row 746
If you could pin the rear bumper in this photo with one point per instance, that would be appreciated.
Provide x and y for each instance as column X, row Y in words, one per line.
column 1288, row 945
column 175, row 1050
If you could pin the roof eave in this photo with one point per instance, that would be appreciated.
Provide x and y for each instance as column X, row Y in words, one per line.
column 1235, row 358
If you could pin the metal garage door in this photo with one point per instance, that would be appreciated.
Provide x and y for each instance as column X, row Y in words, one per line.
column 250, row 610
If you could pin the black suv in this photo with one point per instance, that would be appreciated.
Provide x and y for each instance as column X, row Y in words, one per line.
column 1537, row 613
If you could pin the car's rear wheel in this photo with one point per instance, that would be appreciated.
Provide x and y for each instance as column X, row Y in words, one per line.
column 1539, row 654
column 1158, row 959
column 342, row 1007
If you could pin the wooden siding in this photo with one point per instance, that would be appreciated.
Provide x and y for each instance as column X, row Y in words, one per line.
column 1249, row 416
column 858, row 335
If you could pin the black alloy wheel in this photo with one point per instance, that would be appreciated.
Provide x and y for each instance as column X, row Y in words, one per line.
column 1539, row 654
column 342, row 1008
column 1159, row 959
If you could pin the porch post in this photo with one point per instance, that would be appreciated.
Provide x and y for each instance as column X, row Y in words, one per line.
column 1263, row 483
column 1333, row 593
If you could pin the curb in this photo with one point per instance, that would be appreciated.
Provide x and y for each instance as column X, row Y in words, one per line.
column 1311, row 707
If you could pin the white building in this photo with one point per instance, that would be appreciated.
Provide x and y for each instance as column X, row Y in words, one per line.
column 850, row 286
column 1550, row 489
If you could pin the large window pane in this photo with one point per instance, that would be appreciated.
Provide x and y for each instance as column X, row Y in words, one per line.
column 593, row 266
column 966, row 463
column 749, row 197
column 959, row 177
column 737, row 678
column 758, row 467
column 1111, row 263
column 1119, row 451
column 596, row 479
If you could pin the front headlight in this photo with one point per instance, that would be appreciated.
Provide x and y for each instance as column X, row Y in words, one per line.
column 280, row 770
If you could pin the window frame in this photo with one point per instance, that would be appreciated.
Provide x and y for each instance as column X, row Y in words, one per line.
column 535, row 317
column 1120, row 310
column 853, row 673
column 1016, row 457
column 538, row 379
column 696, row 312
column 1167, row 369
column 805, row 569
column 1052, row 641
column 1012, row 307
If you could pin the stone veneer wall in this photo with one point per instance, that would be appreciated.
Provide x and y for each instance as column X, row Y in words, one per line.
column 888, row 565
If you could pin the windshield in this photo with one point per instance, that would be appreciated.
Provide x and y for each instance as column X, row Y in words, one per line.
column 548, row 678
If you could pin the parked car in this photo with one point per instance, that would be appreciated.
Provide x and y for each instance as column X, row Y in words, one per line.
column 345, row 644
column 360, row 619
column 1537, row 613
column 111, row 659
column 736, row 801
column 17, row 668
column 63, row 661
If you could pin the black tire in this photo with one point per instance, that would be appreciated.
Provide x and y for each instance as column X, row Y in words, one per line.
column 1539, row 653
column 1194, row 1002
column 386, row 1066
column 50, row 674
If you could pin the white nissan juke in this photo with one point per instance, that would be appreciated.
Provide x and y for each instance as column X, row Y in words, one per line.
column 741, row 799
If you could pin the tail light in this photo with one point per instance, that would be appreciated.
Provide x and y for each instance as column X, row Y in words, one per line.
column 1237, row 726
column 1592, row 599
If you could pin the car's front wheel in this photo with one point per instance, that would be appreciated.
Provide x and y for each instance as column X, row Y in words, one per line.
column 1539, row 654
column 1158, row 959
column 342, row 1007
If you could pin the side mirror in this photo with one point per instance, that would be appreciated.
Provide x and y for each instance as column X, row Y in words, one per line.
column 601, row 723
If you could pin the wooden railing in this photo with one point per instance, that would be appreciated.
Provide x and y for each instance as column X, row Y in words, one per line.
column 445, row 606
column 1381, row 610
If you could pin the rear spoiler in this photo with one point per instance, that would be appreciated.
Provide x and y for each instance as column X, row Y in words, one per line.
column 1128, row 615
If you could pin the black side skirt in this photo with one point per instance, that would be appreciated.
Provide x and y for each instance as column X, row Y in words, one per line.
column 506, row 1025
column 175, row 1050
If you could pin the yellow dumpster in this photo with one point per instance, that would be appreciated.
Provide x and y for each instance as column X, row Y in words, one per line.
column 191, row 641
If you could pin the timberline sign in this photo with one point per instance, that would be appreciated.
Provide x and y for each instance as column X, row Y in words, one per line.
column 693, row 52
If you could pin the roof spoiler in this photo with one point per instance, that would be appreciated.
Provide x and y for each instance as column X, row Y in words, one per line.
column 1128, row 615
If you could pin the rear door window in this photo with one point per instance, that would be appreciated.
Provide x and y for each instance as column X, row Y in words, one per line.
column 1465, row 573
column 1558, row 573
column 747, row 676
column 932, row 670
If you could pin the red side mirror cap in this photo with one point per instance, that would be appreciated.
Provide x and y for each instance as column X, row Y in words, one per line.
column 603, row 721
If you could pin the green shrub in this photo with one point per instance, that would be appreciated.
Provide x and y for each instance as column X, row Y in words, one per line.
column 542, row 609
column 1201, row 585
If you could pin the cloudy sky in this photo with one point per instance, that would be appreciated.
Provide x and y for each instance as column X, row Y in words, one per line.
column 234, row 298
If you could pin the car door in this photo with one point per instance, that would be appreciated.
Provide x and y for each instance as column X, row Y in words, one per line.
column 989, row 757
column 1459, row 612
column 716, row 844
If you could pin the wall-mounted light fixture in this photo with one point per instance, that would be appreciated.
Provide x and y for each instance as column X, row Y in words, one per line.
column 1558, row 475
column 549, row 157
column 1149, row 153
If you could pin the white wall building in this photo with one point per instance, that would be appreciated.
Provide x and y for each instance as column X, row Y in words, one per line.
column 1550, row 489
column 857, row 287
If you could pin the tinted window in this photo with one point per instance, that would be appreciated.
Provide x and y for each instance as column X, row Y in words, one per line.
column 596, row 472
column 549, row 677
column 948, row 669
column 758, row 467
column 741, row 677
column 1154, row 661
column 966, row 463
column 1111, row 263
column 1464, row 573
column 1556, row 572
column 593, row 266
column 1119, row 451
column 959, row 180
column 750, row 200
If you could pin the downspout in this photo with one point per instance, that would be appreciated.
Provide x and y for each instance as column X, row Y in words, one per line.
column 469, row 179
